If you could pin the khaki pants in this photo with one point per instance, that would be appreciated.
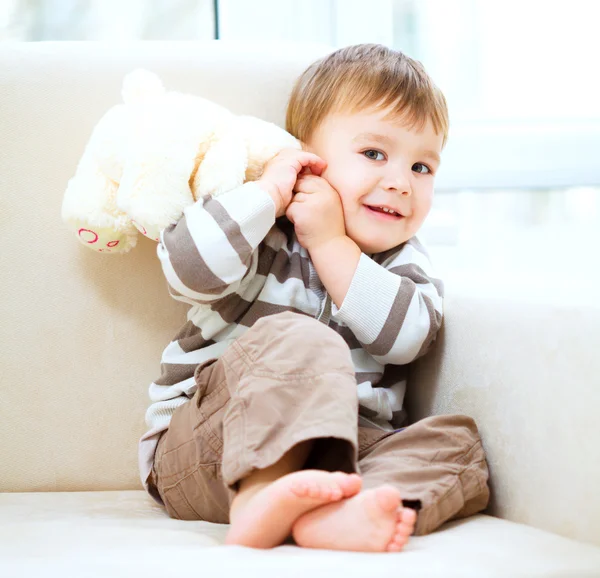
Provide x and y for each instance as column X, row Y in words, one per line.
column 288, row 379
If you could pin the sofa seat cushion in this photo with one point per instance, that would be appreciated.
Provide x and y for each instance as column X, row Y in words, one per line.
column 124, row 533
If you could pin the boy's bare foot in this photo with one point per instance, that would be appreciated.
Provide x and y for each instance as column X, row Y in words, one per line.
column 372, row 521
column 267, row 519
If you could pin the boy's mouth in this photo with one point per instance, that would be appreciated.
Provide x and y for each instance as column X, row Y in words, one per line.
column 384, row 212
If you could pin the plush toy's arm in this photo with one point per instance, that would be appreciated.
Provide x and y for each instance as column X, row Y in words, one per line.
column 223, row 168
column 212, row 251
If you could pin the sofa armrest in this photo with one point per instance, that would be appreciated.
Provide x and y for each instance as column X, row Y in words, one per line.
column 528, row 371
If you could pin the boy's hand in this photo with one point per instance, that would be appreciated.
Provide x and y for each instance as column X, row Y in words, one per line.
column 281, row 172
column 316, row 212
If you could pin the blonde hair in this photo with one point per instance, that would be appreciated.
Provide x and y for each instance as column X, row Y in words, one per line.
column 366, row 76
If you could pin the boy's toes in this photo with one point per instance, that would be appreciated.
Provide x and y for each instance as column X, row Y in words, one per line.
column 405, row 522
column 349, row 484
column 396, row 545
column 331, row 492
column 300, row 488
column 269, row 516
column 315, row 490
column 329, row 488
column 388, row 498
column 335, row 491
column 404, row 527
column 407, row 518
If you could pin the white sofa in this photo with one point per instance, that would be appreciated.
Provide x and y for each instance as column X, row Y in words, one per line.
column 82, row 335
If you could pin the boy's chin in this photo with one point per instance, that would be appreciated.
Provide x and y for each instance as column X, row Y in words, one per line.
column 370, row 247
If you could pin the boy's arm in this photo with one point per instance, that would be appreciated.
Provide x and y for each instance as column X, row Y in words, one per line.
column 212, row 251
column 208, row 253
column 336, row 262
column 394, row 311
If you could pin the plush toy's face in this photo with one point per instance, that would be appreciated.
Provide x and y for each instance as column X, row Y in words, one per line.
column 103, row 240
column 111, row 241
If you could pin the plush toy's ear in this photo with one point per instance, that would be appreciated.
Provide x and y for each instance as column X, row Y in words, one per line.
column 141, row 86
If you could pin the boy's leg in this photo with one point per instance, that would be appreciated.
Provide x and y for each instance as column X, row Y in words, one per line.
column 292, row 461
column 283, row 392
column 437, row 466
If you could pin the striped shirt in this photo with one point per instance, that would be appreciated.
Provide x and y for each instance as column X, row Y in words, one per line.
column 233, row 263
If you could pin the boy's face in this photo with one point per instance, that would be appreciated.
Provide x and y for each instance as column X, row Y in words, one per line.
column 374, row 163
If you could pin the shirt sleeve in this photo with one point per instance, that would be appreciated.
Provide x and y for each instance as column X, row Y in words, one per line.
column 212, row 251
column 394, row 309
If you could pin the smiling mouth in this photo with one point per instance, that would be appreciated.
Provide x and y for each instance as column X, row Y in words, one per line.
column 385, row 213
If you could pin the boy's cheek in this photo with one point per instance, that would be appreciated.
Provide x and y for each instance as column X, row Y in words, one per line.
column 424, row 202
column 329, row 175
column 334, row 181
column 342, row 180
column 419, row 217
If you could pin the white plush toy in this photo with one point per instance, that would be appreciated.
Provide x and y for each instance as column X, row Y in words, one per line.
column 154, row 155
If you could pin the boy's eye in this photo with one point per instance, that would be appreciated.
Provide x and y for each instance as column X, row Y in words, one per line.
column 421, row 168
column 373, row 155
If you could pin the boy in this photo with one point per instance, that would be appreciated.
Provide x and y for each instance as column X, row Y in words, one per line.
column 280, row 400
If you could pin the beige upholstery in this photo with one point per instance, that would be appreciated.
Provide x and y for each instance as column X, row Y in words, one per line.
column 528, row 372
column 82, row 335
column 121, row 534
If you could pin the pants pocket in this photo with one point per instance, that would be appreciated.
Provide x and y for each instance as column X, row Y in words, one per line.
column 177, row 505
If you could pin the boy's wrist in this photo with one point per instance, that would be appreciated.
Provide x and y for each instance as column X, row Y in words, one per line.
column 330, row 248
column 327, row 245
column 335, row 261
column 273, row 191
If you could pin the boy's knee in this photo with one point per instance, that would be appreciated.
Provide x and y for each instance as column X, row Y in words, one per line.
column 295, row 339
column 300, row 328
column 453, row 426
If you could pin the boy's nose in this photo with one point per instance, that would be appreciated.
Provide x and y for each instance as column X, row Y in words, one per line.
column 398, row 184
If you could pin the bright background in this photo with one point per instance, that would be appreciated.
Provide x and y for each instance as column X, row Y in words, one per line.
column 518, row 193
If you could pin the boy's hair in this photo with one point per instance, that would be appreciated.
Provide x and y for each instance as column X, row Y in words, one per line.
column 360, row 77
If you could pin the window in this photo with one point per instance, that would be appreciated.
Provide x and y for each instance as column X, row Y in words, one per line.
column 520, row 76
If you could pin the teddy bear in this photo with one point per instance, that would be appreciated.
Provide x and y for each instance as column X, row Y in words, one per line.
column 156, row 153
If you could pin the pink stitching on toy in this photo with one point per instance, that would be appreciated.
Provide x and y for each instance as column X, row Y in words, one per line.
column 112, row 243
column 88, row 231
column 142, row 229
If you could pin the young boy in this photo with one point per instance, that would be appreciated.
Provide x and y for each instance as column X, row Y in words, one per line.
column 280, row 401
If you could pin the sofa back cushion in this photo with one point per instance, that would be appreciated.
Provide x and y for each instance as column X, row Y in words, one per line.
column 82, row 333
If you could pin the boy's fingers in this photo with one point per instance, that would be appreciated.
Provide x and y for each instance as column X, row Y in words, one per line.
column 289, row 214
column 300, row 197
column 304, row 185
column 316, row 164
column 309, row 184
column 310, row 178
